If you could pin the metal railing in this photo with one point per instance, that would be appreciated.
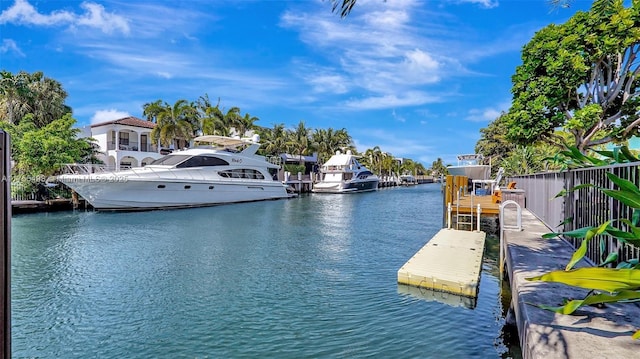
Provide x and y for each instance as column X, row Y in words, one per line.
column 584, row 207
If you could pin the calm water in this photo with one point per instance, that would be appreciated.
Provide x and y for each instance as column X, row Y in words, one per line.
column 310, row 277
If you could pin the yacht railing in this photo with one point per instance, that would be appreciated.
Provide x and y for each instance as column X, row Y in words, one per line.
column 86, row 168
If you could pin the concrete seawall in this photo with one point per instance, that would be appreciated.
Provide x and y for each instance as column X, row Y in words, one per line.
column 590, row 332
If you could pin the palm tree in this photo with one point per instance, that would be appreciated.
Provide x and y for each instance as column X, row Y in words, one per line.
column 13, row 91
column 343, row 7
column 373, row 157
column 298, row 142
column 47, row 100
column 212, row 118
column 232, row 118
column 327, row 142
column 150, row 110
column 274, row 140
column 34, row 94
column 177, row 121
column 438, row 168
column 245, row 124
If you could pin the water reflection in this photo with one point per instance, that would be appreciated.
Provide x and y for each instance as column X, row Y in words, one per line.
column 438, row 296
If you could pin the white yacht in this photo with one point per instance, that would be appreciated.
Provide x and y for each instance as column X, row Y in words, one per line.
column 226, row 171
column 470, row 166
column 342, row 173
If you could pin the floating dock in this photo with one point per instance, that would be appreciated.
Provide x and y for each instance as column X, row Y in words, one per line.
column 450, row 262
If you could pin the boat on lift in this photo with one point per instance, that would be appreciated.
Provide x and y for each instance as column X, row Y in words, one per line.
column 471, row 166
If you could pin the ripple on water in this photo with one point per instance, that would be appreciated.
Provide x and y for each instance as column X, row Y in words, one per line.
column 309, row 277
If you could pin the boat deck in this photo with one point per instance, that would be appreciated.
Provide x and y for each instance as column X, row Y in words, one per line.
column 487, row 206
column 450, row 262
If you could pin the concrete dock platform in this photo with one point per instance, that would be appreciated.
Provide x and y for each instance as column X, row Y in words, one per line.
column 450, row 262
column 591, row 332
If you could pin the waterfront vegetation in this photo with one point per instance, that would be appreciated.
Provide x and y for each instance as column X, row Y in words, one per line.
column 577, row 85
column 577, row 90
column 606, row 284
column 44, row 136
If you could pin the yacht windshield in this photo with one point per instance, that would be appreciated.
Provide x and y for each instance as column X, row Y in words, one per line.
column 169, row 160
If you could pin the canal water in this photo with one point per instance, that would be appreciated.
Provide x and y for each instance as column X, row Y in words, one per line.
column 310, row 277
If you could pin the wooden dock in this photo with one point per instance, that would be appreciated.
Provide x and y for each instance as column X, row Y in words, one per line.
column 450, row 262
column 466, row 203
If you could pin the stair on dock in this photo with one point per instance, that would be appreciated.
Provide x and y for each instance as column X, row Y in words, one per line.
column 450, row 262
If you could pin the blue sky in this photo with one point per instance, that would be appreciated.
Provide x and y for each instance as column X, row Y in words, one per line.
column 416, row 78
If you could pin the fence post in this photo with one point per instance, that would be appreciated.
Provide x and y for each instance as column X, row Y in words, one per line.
column 5, row 246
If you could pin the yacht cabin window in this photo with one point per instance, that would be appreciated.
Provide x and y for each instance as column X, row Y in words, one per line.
column 169, row 160
column 241, row 173
column 203, row 161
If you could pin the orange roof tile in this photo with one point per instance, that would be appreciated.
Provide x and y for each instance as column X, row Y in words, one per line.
column 128, row 121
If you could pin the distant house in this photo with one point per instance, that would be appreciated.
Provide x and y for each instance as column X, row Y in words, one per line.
column 125, row 142
column 310, row 162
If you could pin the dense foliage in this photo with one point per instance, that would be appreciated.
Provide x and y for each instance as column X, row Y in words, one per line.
column 605, row 284
column 581, row 76
column 43, row 137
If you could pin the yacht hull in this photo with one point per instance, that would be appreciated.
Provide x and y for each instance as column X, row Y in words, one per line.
column 345, row 187
column 145, row 194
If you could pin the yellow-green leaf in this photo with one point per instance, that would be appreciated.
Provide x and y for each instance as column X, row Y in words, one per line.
column 604, row 279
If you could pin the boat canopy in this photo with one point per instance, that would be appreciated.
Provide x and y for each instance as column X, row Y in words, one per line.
column 227, row 141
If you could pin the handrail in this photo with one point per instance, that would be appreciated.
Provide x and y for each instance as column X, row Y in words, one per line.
column 503, row 226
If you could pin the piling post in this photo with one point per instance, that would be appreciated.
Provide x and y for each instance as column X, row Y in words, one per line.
column 5, row 246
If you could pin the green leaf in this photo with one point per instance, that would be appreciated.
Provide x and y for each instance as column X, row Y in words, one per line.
column 604, row 279
column 567, row 220
column 592, row 299
column 576, row 233
column 630, row 199
column 635, row 217
column 582, row 250
column 612, row 257
column 625, row 237
column 562, row 193
column 623, row 184
column 630, row 157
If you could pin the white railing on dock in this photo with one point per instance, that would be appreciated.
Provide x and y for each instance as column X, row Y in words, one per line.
column 504, row 226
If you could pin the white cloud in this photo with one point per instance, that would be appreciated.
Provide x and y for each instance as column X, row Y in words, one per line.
column 108, row 115
column 482, row 115
column 9, row 45
column 483, row 3
column 384, row 50
column 397, row 117
column 392, row 100
column 95, row 16
column 24, row 13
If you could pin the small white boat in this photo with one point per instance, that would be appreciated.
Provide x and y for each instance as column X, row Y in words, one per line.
column 408, row 180
column 227, row 171
column 470, row 166
column 342, row 173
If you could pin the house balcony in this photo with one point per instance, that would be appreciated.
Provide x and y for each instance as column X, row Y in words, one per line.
column 133, row 146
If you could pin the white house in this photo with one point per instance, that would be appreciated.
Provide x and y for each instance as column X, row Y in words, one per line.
column 125, row 142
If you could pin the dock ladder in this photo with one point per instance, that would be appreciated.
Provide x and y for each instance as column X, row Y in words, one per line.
column 463, row 219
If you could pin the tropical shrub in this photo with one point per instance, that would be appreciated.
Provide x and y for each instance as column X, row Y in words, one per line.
column 605, row 284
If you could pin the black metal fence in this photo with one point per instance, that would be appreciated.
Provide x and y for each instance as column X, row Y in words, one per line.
column 581, row 208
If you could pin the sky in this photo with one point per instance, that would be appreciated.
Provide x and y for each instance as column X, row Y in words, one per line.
column 418, row 79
